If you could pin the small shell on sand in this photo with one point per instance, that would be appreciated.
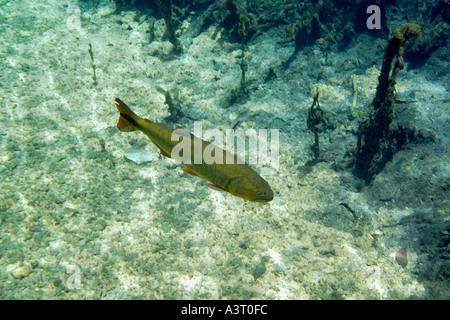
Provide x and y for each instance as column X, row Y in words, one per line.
column 401, row 257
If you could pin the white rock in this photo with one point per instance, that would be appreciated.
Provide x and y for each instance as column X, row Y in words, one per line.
column 17, row 271
column 106, row 7
column 139, row 156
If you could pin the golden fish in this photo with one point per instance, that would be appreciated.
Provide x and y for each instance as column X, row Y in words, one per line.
column 236, row 178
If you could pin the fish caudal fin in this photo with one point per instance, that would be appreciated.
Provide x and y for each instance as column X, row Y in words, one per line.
column 126, row 118
column 125, row 125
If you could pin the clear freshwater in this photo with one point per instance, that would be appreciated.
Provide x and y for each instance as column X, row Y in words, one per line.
column 90, row 212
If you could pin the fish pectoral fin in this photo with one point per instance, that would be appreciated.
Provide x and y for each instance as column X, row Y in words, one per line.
column 189, row 171
column 214, row 187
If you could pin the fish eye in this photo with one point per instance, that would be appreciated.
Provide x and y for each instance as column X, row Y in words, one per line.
column 258, row 193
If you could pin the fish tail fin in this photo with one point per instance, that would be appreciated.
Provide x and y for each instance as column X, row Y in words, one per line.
column 126, row 120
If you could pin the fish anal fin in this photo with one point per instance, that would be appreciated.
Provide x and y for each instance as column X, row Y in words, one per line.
column 164, row 153
column 214, row 187
column 189, row 171
column 124, row 125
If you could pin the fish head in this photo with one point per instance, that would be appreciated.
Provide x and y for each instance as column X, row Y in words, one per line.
column 250, row 188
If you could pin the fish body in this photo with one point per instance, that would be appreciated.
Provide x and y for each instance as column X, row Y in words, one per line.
column 234, row 176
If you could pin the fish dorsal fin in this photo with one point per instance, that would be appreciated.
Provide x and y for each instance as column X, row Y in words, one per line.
column 182, row 132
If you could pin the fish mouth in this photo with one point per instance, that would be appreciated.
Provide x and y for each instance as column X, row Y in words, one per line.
column 265, row 199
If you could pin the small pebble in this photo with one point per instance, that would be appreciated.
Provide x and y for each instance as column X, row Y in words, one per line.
column 17, row 271
column 401, row 257
column 139, row 156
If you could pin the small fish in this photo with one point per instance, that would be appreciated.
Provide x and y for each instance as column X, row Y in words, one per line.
column 236, row 178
